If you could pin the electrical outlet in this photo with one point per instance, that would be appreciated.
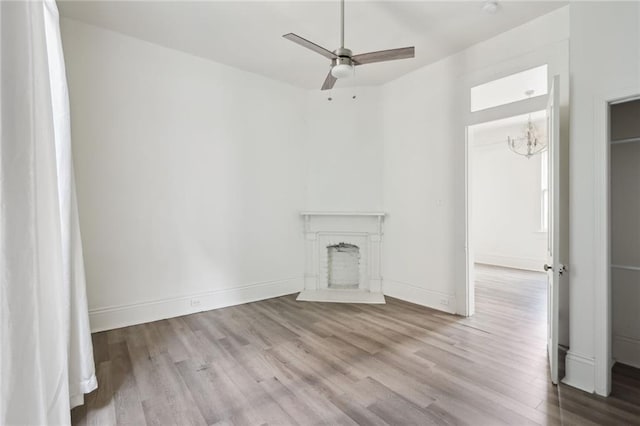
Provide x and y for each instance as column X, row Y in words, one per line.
column 444, row 302
column 195, row 302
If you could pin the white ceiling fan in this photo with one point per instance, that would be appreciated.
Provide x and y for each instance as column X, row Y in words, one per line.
column 343, row 60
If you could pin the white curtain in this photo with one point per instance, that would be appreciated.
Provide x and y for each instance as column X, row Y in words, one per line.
column 46, row 356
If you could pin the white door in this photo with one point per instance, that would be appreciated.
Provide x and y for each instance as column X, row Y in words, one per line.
column 557, row 236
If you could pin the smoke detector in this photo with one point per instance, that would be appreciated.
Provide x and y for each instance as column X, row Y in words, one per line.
column 490, row 7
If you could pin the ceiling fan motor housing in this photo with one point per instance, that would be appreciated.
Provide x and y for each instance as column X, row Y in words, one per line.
column 343, row 57
column 343, row 52
column 342, row 60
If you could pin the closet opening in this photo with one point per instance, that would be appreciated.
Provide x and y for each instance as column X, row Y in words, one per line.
column 624, row 242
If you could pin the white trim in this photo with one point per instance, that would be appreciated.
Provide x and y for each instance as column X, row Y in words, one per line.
column 514, row 109
column 111, row 317
column 420, row 296
column 579, row 371
column 466, row 298
column 602, row 252
column 526, row 263
column 627, row 350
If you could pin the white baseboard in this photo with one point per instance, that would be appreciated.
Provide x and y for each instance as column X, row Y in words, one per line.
column 112, row 317
column 419, row 295
column 580, row 372
column 526, row 263
column 626, row 350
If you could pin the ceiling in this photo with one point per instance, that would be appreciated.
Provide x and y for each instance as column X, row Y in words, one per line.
column 248, row 34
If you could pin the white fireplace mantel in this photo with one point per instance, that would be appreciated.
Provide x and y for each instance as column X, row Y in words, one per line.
column 325, row 228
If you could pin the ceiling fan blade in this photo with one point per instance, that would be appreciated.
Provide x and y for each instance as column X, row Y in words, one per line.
column 384, row 55
column 329, row 82
column 310, row 45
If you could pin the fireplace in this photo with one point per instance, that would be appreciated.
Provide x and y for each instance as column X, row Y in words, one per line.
column 343, row 257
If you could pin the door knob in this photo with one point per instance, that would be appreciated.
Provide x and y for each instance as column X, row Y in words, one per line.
column 547, row 267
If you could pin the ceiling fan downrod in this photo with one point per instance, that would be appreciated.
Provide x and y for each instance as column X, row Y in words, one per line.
column 342, row 65
column 342, row 24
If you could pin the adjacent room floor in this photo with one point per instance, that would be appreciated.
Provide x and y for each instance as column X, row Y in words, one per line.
column 280, row 361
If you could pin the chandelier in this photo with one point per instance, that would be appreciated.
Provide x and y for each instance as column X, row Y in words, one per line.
column 530, row 142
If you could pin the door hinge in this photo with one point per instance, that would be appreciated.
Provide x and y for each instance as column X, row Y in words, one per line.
column 562, row 270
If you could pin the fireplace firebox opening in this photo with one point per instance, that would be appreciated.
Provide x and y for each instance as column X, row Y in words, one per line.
column 343, row 266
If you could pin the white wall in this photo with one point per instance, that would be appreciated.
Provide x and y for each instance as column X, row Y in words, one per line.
column 505, row 191
column 423, row 171
column 344, row 155
column 605, row 58
column 425, row 114
column 190, row 177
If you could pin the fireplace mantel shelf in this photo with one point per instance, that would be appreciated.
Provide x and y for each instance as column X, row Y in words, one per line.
column 321, row 213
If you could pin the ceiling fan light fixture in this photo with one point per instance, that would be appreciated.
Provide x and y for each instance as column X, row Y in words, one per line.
column 342, row 71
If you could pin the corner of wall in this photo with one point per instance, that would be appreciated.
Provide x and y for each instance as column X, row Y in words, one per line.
column 580, row 372
column 420, row 296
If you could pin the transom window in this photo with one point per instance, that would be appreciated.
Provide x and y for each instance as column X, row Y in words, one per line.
column 509, row 89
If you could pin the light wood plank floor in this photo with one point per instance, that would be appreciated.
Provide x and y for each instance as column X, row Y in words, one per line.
column 282, row 362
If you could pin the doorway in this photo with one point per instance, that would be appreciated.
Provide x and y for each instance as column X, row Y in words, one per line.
column 507, row 126
column 603, row 333
column 508, row 215
column 624, row 240
column 548, row 92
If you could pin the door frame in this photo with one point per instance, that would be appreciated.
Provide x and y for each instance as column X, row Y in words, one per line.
column 556, row 56
column 603, row 361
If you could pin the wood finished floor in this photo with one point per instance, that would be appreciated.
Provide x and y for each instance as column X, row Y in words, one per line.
column 281, row 362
